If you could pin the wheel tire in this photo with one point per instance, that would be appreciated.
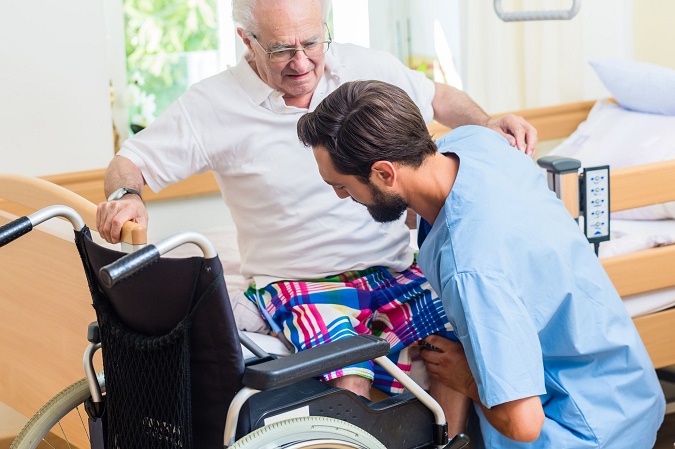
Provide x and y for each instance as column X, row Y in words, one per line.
column 310, row 432
column 52, row 412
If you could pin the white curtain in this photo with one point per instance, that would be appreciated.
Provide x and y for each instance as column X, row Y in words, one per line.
column 517, row 65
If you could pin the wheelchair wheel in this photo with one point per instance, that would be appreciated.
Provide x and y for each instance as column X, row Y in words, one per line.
column 310, row 432
column 61, row 421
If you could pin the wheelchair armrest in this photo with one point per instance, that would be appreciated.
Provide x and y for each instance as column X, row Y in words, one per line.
column 314, row 362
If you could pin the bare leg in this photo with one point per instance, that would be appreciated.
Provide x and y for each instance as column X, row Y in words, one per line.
column 455, row 406
column 356, row 384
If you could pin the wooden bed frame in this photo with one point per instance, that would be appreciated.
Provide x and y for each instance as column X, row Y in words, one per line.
column 45, row 303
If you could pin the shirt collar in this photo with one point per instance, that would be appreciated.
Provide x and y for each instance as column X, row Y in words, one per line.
column 255, row 87
column 259, row 91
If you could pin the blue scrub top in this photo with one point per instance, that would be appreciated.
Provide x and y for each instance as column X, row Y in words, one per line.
column 532, row 306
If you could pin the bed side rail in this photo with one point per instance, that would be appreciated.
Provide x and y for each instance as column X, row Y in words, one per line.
column 643, row 185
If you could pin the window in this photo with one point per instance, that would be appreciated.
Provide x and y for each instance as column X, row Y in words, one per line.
column 171, row 44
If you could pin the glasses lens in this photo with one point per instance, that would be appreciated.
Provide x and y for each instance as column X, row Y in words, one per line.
column 311, row 50
column 316, row 49
column 282, row 55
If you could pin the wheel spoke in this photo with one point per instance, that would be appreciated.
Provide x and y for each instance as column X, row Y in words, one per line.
column 65, row 437
column 84, row 426
column 50, row 444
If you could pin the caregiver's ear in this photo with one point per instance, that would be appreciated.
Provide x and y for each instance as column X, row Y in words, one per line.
column 383, row 173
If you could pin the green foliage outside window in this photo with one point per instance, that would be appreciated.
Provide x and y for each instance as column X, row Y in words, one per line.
column 160, row 35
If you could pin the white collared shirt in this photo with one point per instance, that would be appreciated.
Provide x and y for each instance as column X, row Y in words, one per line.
column 291, row 225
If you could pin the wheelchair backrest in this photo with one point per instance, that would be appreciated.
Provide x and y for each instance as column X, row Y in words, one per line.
column 171, row 352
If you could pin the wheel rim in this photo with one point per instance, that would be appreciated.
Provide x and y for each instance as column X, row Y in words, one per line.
column 309, row 432
column 325, row 444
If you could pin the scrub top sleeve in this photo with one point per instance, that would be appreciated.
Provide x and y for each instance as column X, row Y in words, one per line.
column 499, row 337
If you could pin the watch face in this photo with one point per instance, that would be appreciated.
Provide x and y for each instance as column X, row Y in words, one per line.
column 119, row 193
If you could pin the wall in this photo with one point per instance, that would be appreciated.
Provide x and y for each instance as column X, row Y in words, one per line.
column 654, row 31
column 54, row 103
column 54, row 96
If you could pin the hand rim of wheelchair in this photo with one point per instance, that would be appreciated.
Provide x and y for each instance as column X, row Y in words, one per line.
column 292, row 433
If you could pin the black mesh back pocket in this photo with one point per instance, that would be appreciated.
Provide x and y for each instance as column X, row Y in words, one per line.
column 148, row 401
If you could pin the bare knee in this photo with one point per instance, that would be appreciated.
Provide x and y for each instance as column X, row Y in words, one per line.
column 356, row 384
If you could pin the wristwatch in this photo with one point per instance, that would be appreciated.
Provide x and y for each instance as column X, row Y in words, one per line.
column 119, row 193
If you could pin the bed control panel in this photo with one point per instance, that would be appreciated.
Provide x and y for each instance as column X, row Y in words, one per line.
column 595, row 203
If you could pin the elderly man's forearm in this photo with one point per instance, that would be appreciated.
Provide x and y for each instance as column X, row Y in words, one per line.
column 121, row 172
column 454, row 108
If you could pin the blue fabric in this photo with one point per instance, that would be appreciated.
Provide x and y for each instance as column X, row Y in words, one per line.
column 533, row 307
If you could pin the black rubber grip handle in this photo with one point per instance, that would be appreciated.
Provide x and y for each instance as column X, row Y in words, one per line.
column 127, row 265
column 15, row 229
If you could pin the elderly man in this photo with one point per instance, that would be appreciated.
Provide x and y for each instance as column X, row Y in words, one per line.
column 321, row 268
column 546, row 349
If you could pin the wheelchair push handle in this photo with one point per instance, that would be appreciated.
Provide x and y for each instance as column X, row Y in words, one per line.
column 127, row 265
column 15, row 229
column 23, row 225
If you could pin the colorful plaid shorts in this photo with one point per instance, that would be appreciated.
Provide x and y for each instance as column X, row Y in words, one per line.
column 398, row 307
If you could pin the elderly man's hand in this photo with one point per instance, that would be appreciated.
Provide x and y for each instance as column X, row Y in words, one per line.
column 449, row 366
column 517, row 131
column 111, row 216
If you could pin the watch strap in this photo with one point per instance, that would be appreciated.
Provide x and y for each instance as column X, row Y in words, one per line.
column 122, row 191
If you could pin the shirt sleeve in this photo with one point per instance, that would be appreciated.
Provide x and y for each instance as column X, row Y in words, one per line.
column 167, row 151
column 499, row 337
column 420, row 88
column 367, row 63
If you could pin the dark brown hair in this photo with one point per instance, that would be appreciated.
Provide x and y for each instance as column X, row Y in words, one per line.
column 363, row 122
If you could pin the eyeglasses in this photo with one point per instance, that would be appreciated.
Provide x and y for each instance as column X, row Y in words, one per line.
column 312, row 49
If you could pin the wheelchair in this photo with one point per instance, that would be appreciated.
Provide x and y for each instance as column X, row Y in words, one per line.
column 175, row 374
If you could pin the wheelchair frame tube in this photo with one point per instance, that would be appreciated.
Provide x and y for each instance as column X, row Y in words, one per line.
column 176, row 240
column 57, row 211
column 90, row 373
column 412, row 386
column 233, row 414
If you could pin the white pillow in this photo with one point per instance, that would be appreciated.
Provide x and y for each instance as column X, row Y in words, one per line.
column 639, row 86
column 620, row 138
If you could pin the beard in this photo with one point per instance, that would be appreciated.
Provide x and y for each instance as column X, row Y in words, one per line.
column 386, row 207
